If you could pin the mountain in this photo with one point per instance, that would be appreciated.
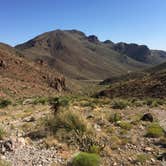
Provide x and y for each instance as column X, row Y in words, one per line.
column 141, row 53
column 81, row 57
column 20, row 77
column 151, row 83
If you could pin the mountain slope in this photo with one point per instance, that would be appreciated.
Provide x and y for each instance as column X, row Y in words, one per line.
column 151, row 83
column 20, row 77
column 77, row 56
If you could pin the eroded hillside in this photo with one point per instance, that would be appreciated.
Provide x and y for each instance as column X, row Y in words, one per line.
column 20, row 77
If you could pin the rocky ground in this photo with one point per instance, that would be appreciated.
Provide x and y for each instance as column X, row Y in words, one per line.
column 124, row 144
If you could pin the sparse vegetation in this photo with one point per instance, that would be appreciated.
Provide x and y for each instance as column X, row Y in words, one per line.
column 95, row 149
column 86, row 159
column 40, row 100
column 155, row 130
column 151, row 102
column 124, row 125
column 4, row 163
column 2, row 133
column 115, row 142
column 120, row 104
column 67, row 120
column 142, row 158
column 113, row 118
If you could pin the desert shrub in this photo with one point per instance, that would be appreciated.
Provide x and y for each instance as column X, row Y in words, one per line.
column 4, row 103
column 142, row 158
column 61, row 101
column 86, row 159
column 89, row 143
column 135, row 119
column 124, row 125
column 110, row 130
column 95, row 149
column 115, row 118
column 155, row 130
column 153, row 102
column 120, row 104
column 2, row 133
column 4, row 163
column 136, row 102
column 115, row 142
column 40, row 100
column 67, row 120
column 88, row 104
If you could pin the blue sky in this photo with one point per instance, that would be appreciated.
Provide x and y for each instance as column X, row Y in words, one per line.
column 139, row 21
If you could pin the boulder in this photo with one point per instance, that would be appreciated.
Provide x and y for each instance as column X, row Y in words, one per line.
column 6, row 145
column 147, row 117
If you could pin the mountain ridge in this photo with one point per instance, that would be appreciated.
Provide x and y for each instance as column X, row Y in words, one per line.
column 78, row 56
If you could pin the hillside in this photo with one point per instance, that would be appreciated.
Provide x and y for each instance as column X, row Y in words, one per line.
column 151, row 83
column 78, row 56
column 20, row 77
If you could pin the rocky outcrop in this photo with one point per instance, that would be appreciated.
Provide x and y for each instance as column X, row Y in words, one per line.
column 93, row 39
column 2, row 64
column 57, row 83
column 138, row 52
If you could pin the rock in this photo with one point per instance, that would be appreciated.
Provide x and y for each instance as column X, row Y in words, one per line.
column 29, row 119
column 97, row 127
column 2, row 64
column 28, row 101
column 90, row 116
column 115, row 164
column 6, row 145
column 148, row 149
column 162, row 157
column 153, row 160
column 147, row 117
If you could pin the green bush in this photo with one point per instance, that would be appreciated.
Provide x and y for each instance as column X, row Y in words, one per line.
column 68, row 120
column 142, row 158
column 95, row 149
column 4, row 163
column 86, row 159
column 155, row 130
column 124, row 125
column 115, row 118
column 40, row 100
column 62, row 101
column 2, row 133
column 153, row 102
column 119, row 104
column 4, row 103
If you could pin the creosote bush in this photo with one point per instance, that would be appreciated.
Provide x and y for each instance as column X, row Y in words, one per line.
column 86, row 159
column 120, row 104
column 155, row 130
column 4, row 103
